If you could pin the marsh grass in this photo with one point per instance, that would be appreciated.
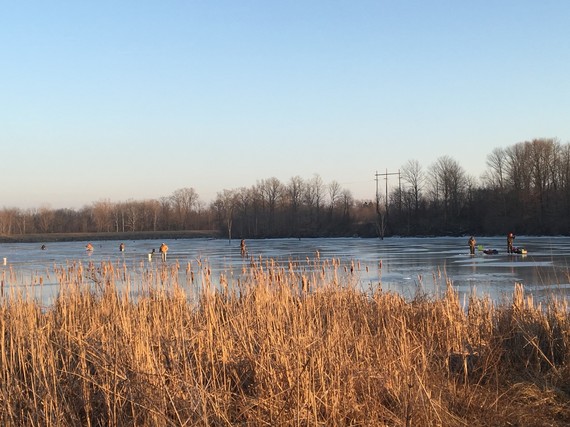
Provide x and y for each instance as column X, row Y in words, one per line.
column 298, row 344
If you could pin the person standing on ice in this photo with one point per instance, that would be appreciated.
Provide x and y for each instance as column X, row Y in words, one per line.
column 163, row 249
column 472, row 245
column 510, row 240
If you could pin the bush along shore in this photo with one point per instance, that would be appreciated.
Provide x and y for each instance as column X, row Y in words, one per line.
column 275, row 345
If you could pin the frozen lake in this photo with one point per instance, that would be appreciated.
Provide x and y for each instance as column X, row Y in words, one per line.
column 407, row 264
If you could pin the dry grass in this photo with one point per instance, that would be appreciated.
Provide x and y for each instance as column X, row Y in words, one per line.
column 291, row 345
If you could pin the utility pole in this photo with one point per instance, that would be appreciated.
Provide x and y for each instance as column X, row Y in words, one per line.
column 380, row 224
column 384, row 218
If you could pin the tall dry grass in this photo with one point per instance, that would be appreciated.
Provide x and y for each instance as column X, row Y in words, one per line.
column 298, row 344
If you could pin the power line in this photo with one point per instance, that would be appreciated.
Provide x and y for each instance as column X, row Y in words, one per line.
column 386, row 175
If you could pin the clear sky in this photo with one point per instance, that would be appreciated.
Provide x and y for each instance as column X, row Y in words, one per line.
column 129, row 100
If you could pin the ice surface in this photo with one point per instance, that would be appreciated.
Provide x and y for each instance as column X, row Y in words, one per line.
column 408, row 265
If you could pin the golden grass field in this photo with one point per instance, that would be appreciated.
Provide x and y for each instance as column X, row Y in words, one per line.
column 166, row 344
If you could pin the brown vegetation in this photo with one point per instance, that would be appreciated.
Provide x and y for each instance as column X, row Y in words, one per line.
column 164, row 344
column 127, row 235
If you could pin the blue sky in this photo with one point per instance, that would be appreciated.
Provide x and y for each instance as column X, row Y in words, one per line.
column 125, row 100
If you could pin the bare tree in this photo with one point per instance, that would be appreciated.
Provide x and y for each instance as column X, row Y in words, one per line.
column 313, row 198
column 413, row 175
column 45, row 217
column 8, row 219
column 243, row 207
column 447, row 180
column 132, row 212
column 25, row 221
column 294, row 194
column 103, row 215
column 183, row 202
column 119, row 217
column 347, row 203
column 335, row 190
column 225, row 206
column 494, row 178
column 154, row 209
column 166, row 213
column 272, row 191
column 517, row 165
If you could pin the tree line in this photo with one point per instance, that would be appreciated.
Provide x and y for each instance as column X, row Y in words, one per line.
column 525, row 189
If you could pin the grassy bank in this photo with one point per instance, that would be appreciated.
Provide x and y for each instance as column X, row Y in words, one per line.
column 276, row 345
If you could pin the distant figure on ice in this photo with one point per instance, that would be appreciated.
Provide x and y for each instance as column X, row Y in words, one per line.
column 122, row 247
column 472, row 245
column 44, row 247
column 163, row 250
column 243, row 248
column 510, row 240
column 89, row 247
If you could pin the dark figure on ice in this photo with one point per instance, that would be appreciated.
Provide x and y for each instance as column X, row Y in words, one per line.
column 510, row 240
column 472, row 245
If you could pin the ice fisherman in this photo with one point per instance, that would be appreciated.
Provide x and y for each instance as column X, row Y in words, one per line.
column 510, row 240
column 472, row 243
column 163, row 250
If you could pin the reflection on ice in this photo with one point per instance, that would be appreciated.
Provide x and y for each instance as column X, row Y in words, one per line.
column 521, row 264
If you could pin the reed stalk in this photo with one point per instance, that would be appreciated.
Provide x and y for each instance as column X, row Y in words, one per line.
column 301, row 343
